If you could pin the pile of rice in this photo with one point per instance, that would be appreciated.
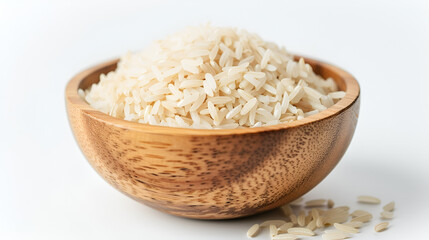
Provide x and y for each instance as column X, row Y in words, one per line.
column 316, row 216
column 212, row 77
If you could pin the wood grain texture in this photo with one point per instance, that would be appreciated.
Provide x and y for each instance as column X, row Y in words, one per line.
column 214, row 174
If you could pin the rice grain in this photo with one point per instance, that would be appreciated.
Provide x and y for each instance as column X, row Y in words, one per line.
column 293, row 219
column 389, row 207
column 355, row 224
column 276, row 223
column 296, row 202
column 316, row 203
column 273, row 230
column 381, row 226
column 386, row 215
column 330, row 201
column 253, row 230
column 345, row 228
column 301, row 231
column 287, row 210
column 358, row 213
column 363, row 218
column 368, row 199
column 283, row 228
column 301, row 219
column 312, row 225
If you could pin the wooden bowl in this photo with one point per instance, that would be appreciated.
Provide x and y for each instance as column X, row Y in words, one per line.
column 214, row 174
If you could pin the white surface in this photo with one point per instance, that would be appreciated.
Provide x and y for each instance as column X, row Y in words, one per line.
column 49, row 191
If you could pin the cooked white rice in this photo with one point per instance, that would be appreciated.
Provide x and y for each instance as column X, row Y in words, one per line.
column 212, row 77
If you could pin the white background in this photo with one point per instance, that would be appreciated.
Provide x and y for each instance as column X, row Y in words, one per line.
column 49, row 191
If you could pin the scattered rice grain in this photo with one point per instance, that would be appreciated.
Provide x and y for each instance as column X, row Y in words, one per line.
column 386, row 215
column 330, row 201
column 293, row 219
column 297, row 202
column 276, row 223
column 355, row 224
column 358, row 213
column 389, row 207
column 381, row 226
column 316, row 203
column 301, row 231
column 345, row 228
column 253, row 230
column 287, row 210
column 301, row 219
column 368, row 199
column 363, row 218
column 283, row 228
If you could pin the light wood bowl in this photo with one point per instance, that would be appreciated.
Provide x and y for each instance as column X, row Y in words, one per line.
column 214, row 174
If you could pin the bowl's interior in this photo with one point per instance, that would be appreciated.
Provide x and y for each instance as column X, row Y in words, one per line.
column 94, row 77
column 85, row 79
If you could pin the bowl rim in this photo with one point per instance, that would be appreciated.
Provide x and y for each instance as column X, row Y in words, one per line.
column 73, row 99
